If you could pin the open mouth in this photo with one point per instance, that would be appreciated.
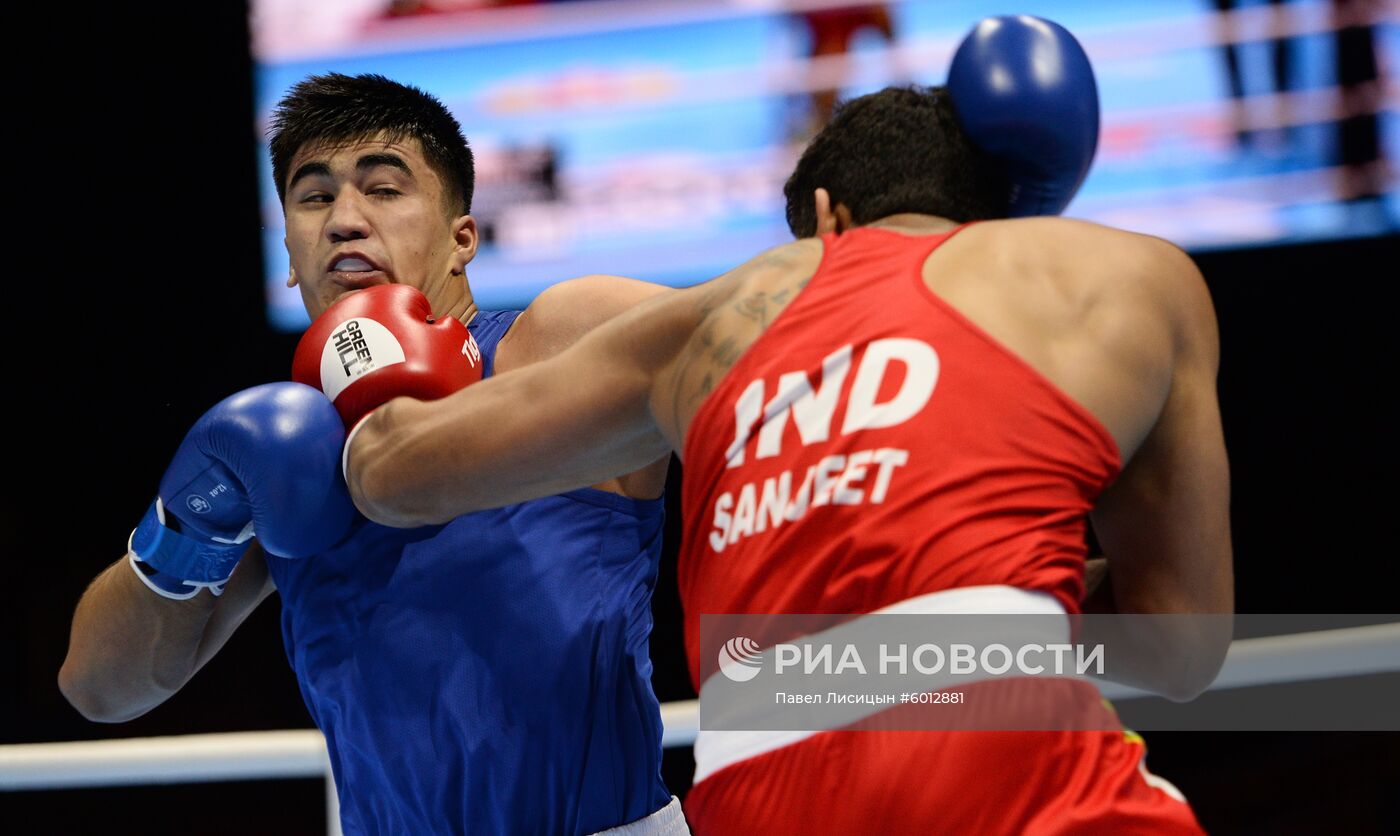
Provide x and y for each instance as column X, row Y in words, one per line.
column 354, row 280
column 353, row 271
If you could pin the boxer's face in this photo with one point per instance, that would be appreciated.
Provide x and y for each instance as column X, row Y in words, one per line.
column 372, row 212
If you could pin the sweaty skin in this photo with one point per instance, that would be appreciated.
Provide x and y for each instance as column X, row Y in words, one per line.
column 1119, row 332
column 1122, row 323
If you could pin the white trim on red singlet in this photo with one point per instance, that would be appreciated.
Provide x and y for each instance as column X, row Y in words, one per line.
column 715, row 750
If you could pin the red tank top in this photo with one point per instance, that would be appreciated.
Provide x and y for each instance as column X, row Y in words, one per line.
column 873, row 445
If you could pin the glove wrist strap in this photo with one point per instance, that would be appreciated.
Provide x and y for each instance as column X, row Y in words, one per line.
column 177, row 566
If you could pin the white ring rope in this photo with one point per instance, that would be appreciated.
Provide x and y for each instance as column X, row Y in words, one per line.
column 1353, row 651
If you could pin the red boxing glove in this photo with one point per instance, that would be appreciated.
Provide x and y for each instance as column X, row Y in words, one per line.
column 380, row 343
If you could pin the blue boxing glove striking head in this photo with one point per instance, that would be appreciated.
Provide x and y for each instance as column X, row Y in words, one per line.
column 1025, row 95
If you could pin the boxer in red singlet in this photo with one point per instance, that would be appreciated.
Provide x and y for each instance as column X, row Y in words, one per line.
column 943, row 404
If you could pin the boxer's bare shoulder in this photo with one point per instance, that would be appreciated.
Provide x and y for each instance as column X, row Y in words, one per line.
column 562, row 313
column 1082, row 262
column 1093, row 263
column 1126, row 282
column 728, row 314
column 559, row 317
column 1107, row 315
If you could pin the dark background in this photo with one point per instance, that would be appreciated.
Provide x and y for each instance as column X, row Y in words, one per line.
column 135, row 218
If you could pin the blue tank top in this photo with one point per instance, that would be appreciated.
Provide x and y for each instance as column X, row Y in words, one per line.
column 489, row 675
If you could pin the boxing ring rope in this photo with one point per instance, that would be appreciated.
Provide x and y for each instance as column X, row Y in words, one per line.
column 1353, row 651
column 1120, row 38
column 231, row 756
column 1105, row 45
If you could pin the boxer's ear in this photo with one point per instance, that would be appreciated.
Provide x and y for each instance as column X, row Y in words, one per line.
column 830, row 218
column 466, row 238
column 291, row 271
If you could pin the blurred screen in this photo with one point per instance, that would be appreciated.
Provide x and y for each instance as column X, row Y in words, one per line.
column 652, row 139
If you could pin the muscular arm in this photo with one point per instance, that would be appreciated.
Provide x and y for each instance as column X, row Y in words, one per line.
column 573, row 420
column 130, row 649
column 1164, row 525
column 560, row 317
column 619, row 398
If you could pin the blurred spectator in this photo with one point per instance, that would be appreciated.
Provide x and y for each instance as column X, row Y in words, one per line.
column 832, row 31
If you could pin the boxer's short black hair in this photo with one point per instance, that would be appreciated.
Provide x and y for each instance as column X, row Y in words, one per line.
column 898, row 150
column 338, row 108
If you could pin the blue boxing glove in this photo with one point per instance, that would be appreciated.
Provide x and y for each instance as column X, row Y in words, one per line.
column 265, row 461
column 1025, row 95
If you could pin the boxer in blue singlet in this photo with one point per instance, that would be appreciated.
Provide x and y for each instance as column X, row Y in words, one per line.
column 492, row 671
column 489, row 675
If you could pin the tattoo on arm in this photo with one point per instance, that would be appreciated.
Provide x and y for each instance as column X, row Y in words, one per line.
column 726, row 353
column 754, row 307
column 704, row 337
column 761, row 307
column 721, row 339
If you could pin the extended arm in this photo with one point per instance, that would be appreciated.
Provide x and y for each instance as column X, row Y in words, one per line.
column 573, row 420
column 560, row 317
column 618, row 399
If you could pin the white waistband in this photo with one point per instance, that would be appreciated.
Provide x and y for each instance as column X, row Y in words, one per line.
column 715, row 750
column 668, row 821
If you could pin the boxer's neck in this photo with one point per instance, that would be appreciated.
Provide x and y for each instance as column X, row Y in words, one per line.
column 912, row 223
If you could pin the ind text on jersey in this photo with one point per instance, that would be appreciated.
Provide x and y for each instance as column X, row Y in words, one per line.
column 893, row 383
